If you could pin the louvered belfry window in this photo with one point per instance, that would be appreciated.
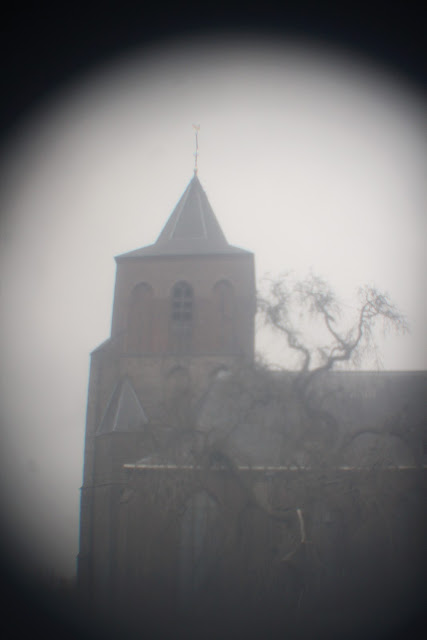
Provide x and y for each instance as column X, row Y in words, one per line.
column 182, row 305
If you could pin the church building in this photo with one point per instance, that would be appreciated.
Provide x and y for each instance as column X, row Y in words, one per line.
column 183, row 313
column 209, row 491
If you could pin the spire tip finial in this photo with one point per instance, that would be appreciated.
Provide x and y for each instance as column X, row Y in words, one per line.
column 196, row 128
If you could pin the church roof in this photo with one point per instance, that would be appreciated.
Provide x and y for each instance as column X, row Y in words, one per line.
column 257, row 420
column 192, row 229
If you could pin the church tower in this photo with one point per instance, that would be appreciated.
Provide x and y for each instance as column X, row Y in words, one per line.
column 183, row 310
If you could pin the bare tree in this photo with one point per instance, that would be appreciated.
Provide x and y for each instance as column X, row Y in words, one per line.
column 289, row 306
column 285, row 535
column 286, row 299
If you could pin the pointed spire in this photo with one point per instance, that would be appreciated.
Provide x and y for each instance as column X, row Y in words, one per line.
column 193, row 220
column 192, row 228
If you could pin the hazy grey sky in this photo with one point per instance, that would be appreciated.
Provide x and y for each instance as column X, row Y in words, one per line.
column 309, row 159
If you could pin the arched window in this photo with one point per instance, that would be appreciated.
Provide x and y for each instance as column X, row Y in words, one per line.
column 200, row 541
column 139, row 325
column 224, row 309
column 182, row 304
column 182, row 312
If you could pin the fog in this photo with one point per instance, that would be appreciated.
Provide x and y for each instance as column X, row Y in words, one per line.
column 310, row 158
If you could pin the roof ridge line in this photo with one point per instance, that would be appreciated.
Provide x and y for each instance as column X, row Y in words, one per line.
column 182, row 202
column 202, row 217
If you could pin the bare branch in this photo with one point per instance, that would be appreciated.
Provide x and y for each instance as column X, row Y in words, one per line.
column 314, row 298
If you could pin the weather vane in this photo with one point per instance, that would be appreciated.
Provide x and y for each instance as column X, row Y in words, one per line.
column 196, row 128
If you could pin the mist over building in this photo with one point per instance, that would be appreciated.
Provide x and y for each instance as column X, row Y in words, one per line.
column 212, row 493
column 310, row 157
